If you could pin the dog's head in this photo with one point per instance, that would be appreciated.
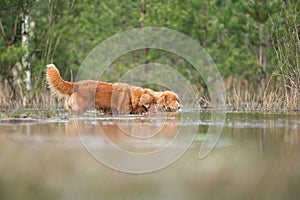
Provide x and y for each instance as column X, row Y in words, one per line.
column 167, row 101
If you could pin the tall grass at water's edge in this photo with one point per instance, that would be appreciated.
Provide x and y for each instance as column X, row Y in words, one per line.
column 274, row 99
column 45, row 105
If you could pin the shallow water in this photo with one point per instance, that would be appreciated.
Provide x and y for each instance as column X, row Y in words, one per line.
column 256, row 156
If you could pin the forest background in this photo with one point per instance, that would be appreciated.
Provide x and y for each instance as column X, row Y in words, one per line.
column 254, row 43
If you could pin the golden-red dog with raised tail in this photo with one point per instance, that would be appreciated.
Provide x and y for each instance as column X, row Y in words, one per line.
column 108, row 97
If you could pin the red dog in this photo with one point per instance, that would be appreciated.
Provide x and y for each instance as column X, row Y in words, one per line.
column 108, row 97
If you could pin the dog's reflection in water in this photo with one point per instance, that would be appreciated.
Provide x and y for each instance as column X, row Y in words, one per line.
column 133, row 135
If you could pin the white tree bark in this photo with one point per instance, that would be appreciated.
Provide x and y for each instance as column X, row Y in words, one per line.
column 25, row 37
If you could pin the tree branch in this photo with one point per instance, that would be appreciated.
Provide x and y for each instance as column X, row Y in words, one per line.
column 3, row 34
column 14, row 37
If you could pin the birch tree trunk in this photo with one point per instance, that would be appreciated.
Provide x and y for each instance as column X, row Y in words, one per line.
column 262, row 62
column 25, row 38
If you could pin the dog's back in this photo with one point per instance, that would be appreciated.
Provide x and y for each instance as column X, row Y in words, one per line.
column 121, row 99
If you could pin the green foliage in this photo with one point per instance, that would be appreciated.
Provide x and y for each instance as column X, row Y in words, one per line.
column 65, row 31
column 260, row 10
column 11, row 55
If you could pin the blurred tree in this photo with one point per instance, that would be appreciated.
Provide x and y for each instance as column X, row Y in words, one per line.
column 11, row 50
column 260, row 11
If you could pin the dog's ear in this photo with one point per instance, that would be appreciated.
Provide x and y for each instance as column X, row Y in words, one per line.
column 161, row 99
column 145, row 100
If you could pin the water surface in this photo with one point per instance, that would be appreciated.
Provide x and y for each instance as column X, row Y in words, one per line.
column 256, row 157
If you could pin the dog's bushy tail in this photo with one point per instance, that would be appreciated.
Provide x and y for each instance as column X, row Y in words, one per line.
column 57, row 84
